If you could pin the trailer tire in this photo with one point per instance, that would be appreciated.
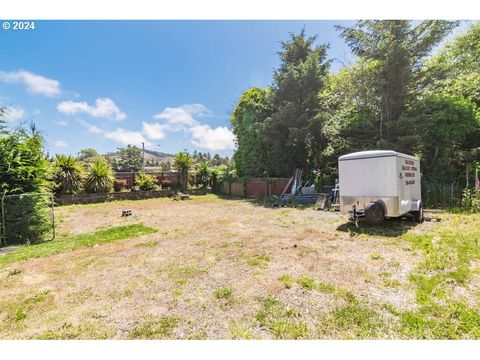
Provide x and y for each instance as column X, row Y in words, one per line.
column 374, row 213
column 418, row 215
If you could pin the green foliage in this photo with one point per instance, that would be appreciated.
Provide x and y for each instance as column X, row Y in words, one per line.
column 87, row 155
column 67, row 174
column 99, row 177
column 23, row 166
column 471, row 200
column 223, row 293
column 252, row 155
column 183, row 161
column 281, row 321
column 130, row 158
column 286, row 280
column 307, row 283
column 203, row 175
column 63, row 244
column 146, row 182
column 155, row 328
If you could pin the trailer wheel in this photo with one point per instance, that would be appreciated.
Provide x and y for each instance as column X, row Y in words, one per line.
column 418, row 215
column 374, row 213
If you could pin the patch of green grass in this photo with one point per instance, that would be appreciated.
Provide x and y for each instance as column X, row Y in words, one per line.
column 69, row 243
column 239, row 332
column 223, row 293
column 307, row 283
column 281, row 321
column 181, row 281
column 260, row 261
column 286, row 280
column 155, row 328
column 326, row 288
column 20, row 314
column 375, row 256
column 447, row 259
column 351, row 322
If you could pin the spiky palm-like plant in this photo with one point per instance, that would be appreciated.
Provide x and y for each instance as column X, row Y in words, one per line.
column 68, row 174
column 99, row 177
column 182, row 162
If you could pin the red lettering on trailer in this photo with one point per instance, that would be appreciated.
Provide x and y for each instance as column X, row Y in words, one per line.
column 405, row 167
column 409, row 182
column 409, row 174
column 409, row 162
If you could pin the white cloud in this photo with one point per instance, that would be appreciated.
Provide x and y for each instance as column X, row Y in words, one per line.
column 61, row 144
column 126, row 137
column 123, row 136
column 154, row 131
column 36, row 84
column 185, row 118
column 13, row 113
column 103, row 108
column 220, row 138
column 176, row 118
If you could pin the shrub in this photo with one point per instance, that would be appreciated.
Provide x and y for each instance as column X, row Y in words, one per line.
column 68, row 174
column 202, row 175
column 146, row 182
column 99, row 177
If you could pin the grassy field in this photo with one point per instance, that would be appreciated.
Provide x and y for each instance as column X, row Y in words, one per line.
column 213, row 268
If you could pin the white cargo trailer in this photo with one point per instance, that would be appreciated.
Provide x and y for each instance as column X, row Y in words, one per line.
column 379, row 183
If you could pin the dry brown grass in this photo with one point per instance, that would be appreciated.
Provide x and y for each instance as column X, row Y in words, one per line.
column 165, row 285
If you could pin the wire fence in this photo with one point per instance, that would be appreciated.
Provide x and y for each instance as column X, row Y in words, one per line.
column 442, row 193
column 27, row 218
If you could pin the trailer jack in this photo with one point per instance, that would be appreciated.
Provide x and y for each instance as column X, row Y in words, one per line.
column 355, row 215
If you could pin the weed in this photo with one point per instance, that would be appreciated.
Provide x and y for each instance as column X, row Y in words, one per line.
column 375, row 256
column 223, row 293
column 261, row 261
column 306, row 283
column 326, row 288
column 20, row 314
column 155, row 328
column 286, row 280
column 281, row 321
column 239, row 332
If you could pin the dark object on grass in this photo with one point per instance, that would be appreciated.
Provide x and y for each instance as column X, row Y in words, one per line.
column 127, row 213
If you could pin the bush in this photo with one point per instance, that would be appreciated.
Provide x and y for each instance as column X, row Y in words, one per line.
column 99, row 177
column 68, row 174
column 471, row 200
column 146, row 182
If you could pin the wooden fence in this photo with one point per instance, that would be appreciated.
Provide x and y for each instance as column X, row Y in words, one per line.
column 254, row 187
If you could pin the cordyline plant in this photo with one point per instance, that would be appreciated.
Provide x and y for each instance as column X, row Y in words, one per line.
column 99, row 177
column 68, row 174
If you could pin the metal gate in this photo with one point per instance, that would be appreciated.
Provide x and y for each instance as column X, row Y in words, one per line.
column 27, row 218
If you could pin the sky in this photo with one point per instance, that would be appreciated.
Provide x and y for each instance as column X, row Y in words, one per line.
column 169, row 84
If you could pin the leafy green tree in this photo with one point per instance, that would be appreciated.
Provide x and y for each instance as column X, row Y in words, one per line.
column 182, row 162
column 68, row 174
column 440, row 126
column 146, row 181
column 252, row 156
column 130, row 158
column 455, row 68
column 293, row 131
column 99, row 177
column 88, row 155
column 396, row 51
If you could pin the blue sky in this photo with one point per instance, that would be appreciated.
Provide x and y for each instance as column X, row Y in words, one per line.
column 104, row 84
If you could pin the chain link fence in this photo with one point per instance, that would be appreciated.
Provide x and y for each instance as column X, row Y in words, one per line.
column 27, row 218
